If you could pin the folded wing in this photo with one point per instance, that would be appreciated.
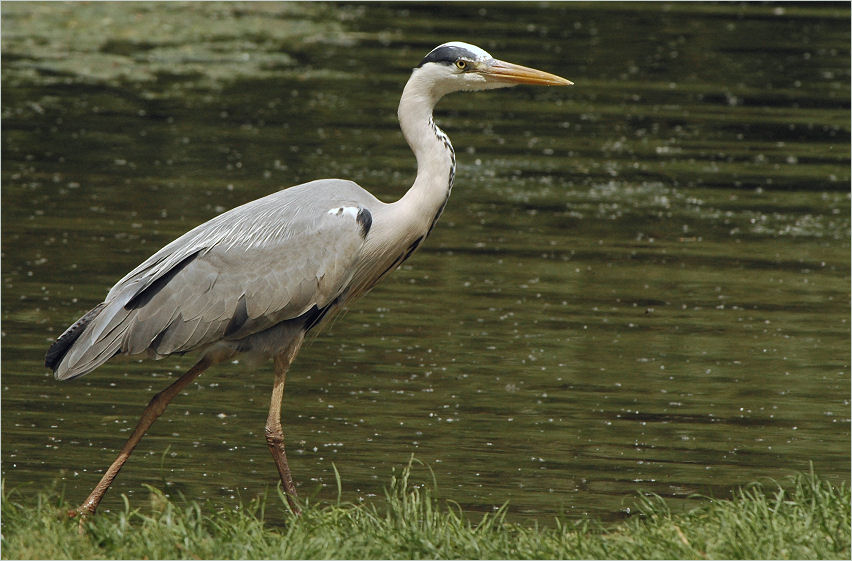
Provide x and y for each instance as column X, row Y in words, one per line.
column 246, row 270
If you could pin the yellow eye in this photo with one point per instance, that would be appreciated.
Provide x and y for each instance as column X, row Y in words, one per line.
column 460, row 64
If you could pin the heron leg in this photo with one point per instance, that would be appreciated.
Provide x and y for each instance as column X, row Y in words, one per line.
column 154, row 409
column 274, row 431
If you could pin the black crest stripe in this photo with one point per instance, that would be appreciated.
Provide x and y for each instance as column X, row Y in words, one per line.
column 446, row 54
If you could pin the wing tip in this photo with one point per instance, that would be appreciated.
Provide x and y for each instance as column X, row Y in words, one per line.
column 63, row 344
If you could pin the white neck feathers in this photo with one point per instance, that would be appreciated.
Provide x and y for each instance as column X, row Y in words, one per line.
column 436, row 160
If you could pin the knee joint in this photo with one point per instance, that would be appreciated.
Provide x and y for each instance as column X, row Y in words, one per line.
column 274, row 435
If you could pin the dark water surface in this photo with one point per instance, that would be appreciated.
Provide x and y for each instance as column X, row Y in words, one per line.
column 640, row 283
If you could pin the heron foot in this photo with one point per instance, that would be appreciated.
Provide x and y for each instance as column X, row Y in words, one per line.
column 81, row 513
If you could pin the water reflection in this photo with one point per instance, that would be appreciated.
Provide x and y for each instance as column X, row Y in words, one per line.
column 641, row 284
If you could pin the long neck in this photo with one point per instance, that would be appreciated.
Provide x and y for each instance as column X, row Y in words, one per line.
column 436, row 160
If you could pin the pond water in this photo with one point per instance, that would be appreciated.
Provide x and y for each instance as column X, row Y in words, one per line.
column 640, row 283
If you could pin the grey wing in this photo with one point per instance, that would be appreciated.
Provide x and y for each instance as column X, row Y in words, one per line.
column 246, row 270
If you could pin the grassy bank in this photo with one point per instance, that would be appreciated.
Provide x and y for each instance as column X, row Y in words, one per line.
column 802, row 518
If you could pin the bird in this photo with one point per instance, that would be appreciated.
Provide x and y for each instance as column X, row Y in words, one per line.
column 254, row 280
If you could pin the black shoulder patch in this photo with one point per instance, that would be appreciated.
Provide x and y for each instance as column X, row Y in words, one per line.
column 446, row 54
column 365, row 220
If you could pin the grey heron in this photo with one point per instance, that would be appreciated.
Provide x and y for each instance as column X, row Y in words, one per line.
column 255, row 279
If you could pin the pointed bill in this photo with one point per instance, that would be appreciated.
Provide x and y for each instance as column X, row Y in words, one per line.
column 517, row 74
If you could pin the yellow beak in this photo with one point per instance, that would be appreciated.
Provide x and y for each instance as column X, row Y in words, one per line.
column 517, row 74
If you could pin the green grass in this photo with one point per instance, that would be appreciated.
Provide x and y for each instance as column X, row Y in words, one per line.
column 803, row 518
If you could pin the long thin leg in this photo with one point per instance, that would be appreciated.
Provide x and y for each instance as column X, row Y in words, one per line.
column 274, row 431
column 155, row 408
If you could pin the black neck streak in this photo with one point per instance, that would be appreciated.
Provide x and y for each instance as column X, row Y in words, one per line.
column 448, row 146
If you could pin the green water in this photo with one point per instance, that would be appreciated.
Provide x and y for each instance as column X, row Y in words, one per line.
column 641, row 283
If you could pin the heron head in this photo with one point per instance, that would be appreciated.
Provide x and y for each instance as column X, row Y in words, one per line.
column 458, row 66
